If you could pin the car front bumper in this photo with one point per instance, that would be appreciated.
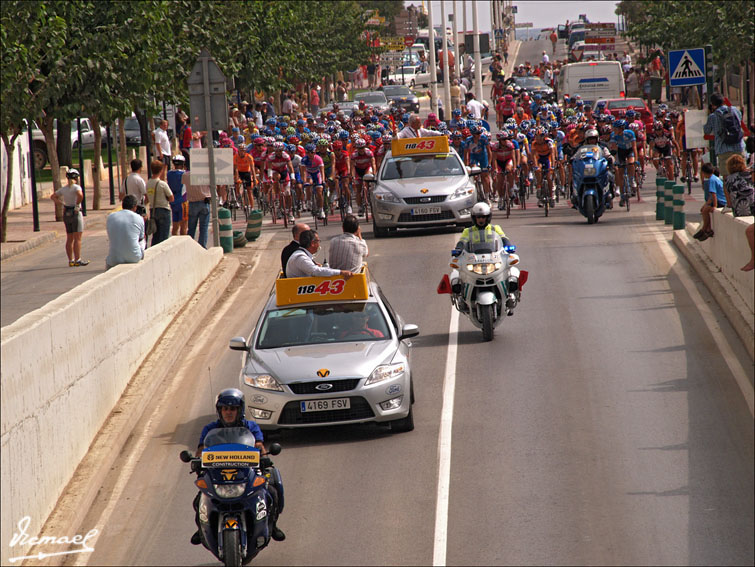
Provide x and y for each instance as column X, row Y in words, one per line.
column 406, row 215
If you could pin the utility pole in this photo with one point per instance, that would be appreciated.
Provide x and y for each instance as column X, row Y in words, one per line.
column 476, row 45
column 456, row 43
column 446, row 54
column 433, row 72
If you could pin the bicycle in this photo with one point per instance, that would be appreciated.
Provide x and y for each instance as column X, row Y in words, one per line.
column 344, row 204
column 543, row 193
column 625, row 189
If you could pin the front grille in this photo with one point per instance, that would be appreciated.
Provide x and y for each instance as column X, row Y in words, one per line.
column 311, row 387
column 292, row 415
column 423, row 200
column 444, row 215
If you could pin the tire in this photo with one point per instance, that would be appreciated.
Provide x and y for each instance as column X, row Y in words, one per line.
column 232, row 548
column 378, row 231
column 487, row 323
column 40, row 157
column 405, row 424
column 590, row 209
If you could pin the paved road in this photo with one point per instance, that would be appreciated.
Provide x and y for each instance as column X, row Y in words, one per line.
column 601, row 426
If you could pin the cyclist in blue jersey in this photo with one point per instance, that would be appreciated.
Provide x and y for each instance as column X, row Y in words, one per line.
column 478, row 153
column 625, row 142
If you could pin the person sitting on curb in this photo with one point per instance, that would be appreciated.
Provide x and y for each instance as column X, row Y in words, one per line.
column 716, row 200
column 125, row 232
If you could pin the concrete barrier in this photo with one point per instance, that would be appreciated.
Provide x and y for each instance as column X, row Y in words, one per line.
column 65, row 366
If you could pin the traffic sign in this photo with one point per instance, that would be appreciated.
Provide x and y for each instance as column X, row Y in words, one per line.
column 215, row 87
column 601, row 26
column 498, row 34
column 687, row 67
column 408, row 40
column 200, row 166
column 593, row 40
column 523, row 25
column 600, row 33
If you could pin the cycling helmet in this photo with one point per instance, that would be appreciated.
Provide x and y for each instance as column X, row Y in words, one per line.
column 293, row 140
column 359, row 143
column 278, row 138
column 231, row 397
column 278, row 146
column 466, row 132
column 580, row 102
column 569, row 112
column 481, row 210
column 387, row 139
column 560, row 135
column 291, row 148
column 343, row 135
column 310, row 147
column 374, row 134
column 510, row 121
column 456, row 135
column 306, row 137
column 442, row 126
column 301, row 122
column 673, row 114
column 630, row 114
column 540, row 131
column 620, row 124
column 663, row 107
column 657, row 125
column 322, row 143
column 338, row 145
column 456, row 112
column 290, row 131
column 634, row 126
column 591, row 133
column 502, row 135
column 537, row 96
column 508, row 98
column 271, row 122
column 72, row 173
column 601, row 104
column 474, row 130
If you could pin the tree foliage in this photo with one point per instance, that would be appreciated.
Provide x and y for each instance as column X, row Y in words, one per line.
column 729, row 27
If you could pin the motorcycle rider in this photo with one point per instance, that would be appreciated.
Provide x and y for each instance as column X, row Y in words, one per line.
column 230, row 405
column 592, row 138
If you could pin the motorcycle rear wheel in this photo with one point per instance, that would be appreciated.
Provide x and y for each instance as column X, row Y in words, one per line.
column 487, row 322
column 232, row 548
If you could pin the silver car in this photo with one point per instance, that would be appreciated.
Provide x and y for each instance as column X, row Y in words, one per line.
column 424, row 190
column 329, row 362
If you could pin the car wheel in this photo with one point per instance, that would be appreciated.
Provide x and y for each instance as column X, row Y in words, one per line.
column 40, row 158
column 378, row 231
column 403, row 425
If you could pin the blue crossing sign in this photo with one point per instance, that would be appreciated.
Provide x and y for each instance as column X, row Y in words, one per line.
column 686, row 67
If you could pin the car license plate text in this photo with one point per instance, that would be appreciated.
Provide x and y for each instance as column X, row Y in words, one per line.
column 325, row 405
column 426, row 211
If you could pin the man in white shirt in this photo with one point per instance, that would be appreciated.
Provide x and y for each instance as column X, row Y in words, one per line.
column 288, row 105
column 475, row 108
column 302, row 264
column 414, row 129
column 546, row 59
column 134, row 185
column 162, row 145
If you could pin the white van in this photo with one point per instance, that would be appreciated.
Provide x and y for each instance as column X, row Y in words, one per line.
column 592, row 80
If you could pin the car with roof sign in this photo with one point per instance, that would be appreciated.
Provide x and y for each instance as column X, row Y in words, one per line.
column 328, row 351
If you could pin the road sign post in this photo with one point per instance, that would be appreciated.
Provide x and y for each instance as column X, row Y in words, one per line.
column 709, row 79
column 208, row 112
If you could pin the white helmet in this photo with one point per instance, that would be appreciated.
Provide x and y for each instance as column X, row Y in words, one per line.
column 481, row 209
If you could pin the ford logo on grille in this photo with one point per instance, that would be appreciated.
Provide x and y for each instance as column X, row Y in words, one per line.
column 425, row 199
column 323, row 387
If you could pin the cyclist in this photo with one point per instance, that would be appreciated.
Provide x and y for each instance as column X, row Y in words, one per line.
column 293, row 150
column 362, row 163
column 478, row 153
column 506, row 158
column 342, row 166
column 504, row 109
column 324, row 151
column 677, row 121
column 544, row 156
column 624, row 141
column 243, row 171
column 280, row 171
column 662, row 142
column 313, row 170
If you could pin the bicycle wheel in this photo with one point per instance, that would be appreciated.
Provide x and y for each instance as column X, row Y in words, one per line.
column 507, row 199
column 523, row 197
column 366, row 200
column 627, row 193
column 245, row 204
column 273, row 211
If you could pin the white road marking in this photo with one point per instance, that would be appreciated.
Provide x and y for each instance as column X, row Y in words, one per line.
column 444, row 444
column 735, row 366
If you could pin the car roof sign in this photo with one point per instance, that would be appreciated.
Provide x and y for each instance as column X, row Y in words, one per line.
column 414, row 146
column 293, row 291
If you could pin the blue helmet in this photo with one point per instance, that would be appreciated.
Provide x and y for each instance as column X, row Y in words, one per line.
column 456, row 112
column 620, row 124
column 630, row 114
column 291, row 148
column 310, row 147
column 231, row 397
column 343, row 135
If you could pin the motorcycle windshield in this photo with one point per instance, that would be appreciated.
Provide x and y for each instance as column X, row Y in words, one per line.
column 489, row 245
column 226, row 435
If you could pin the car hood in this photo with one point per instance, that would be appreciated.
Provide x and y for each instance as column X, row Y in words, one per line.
column 435, row 185
column 341, row 360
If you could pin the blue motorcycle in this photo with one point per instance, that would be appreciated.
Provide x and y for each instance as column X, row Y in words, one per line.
column 590, row 180
column 235, row 508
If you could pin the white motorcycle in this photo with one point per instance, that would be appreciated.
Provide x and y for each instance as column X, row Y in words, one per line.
column 485, row 283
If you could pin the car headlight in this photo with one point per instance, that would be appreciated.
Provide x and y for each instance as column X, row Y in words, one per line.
column 384, row 372
column 230, row 490
column 385, row 196
column 463, row 191
column 262, row 381
column 484, row 268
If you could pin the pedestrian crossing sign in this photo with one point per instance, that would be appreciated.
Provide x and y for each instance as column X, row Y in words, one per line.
column 687, row 67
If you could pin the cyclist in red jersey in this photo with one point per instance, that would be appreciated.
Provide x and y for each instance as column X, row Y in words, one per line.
column 362, row 162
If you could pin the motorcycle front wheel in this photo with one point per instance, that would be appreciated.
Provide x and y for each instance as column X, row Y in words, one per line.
column 590, row 209
column 487, row 322
column 232, row 548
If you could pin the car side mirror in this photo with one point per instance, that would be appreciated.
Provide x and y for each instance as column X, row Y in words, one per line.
column 274, row 449
column 368, row 177
column 408, row 331
column 238, row 343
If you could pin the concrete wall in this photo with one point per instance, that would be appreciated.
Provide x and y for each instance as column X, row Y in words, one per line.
column 729, row 251
column 65, row 366
column 21, row 182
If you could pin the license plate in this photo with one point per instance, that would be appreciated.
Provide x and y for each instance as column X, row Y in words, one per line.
column 426, row 211
column 325, row 405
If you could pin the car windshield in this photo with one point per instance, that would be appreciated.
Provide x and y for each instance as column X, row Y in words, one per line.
column 529, row 82
column 371, row 97
column 397, row 91
column 435, row 165
column 626, row 103
column 318, row 324
column 223, row 435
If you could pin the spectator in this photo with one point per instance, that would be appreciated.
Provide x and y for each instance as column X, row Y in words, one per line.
column 162, row 145
column 715, row 126
column 739, row 188
column 340, row 91
column 160, row 195
column 348, row 249
column 179, row 206
column 70, row 197
column 716, row 199
column 292, row 246
column 314, row 100
column 184, row 136
column 125, row 232
column 750, row 235
column 134, row 185
column 198, row 197
column 633, row 82
column 545, row 60
column 455, row 94
column 287, row 108
column 414, row 129
column 505, row 53
column 475, row 108
column 302, row 263
column 257, row 116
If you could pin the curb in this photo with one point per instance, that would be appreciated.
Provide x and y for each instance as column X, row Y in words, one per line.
column 715, row 281
column 91, row 472
column 27, row 245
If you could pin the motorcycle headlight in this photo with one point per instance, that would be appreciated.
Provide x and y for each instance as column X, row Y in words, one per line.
column 463, row 191
column 484, row 268
column 262, row 381
column 590, row 170
column 230, row 490
column 384, row 372
column 385, row 196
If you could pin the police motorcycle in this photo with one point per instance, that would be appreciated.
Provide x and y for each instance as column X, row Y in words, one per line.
column 590, row 179
column 485, row 283
column 236, row 510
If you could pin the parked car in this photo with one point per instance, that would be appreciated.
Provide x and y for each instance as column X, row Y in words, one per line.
column 348, row 107
column 402, row 96
column 375, row 98
column 87, row 135
column 532, row 86
column 405, row 75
